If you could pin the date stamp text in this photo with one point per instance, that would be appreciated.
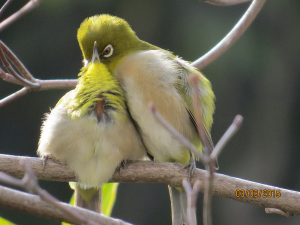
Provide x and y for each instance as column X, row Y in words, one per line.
column 255, row 193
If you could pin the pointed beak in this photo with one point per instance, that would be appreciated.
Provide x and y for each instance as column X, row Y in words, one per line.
column 86, row 62
column 95, row 53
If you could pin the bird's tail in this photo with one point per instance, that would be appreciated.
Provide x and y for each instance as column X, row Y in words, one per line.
column 88, row 198
column 178, row 205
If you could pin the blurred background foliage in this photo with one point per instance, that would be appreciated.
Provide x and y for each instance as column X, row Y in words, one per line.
column 257, row 78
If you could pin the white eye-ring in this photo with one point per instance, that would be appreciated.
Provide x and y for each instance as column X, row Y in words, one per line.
column 108, row 51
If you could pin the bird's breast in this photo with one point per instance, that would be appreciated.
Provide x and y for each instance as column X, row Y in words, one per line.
column 149, row 76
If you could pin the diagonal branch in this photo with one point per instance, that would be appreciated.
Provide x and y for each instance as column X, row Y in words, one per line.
column 25, row 82
column 232, row 36
column 30, row 5
column 234, row 127
column 32, row 204
column 5, row 6
column 14, row 96
column 4, row 50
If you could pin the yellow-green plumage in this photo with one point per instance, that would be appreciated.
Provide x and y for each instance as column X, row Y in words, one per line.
column 150, row 74
column 90, row 130
column 124, row 38
column 89, row 89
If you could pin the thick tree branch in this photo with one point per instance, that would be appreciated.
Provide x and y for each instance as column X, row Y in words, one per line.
column 165, row 173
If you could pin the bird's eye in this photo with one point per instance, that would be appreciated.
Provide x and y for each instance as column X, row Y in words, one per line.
column 108, row 51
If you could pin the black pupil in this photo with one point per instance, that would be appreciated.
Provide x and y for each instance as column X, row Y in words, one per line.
column 107, row 51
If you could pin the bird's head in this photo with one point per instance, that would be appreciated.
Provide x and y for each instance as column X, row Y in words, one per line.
column 95, row 85
column 114, row 37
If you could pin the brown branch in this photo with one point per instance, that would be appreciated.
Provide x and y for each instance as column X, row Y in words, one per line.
column 5, row 51
column 165, row 173
column 231, row 37
column 9, row 78
column 29, row 6
column 14, row 96
column 32, row 204
column 277, row 211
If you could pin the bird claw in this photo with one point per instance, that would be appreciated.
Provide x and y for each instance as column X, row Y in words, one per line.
column 123, row 165
column 45, row 158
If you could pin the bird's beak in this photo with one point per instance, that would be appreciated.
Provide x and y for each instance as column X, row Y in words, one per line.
column 95, row 53
column 86, row 62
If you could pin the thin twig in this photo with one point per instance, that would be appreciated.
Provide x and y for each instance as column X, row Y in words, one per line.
column 14, row 96
column 11, row 70
column 16, row 62
column 192, row 195
column 56, row 84
column 6, row 4
column 231, row 37
column 180, row 137
column 234, row 127
column 207, row 218
column 29, row 6
column 278, row 211
column 9, row 78
column 225, row 2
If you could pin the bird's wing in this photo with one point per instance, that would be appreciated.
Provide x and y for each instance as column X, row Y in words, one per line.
column 206, row 101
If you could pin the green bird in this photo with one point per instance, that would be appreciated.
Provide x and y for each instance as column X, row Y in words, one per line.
column 150, row 74
column 91, row 131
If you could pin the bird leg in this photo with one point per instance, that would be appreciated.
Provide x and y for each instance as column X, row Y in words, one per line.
column 191, row 166
column 123, row 165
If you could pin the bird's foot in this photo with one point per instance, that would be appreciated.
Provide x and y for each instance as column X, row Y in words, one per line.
column 191, row 166
column 45, row 158
column 123, row 165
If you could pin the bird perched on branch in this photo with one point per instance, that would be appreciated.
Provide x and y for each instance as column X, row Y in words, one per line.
column 150, row 74
column 91, row 131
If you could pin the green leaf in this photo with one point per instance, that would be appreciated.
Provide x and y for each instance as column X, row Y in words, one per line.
column 5, row 222
column 109, row 195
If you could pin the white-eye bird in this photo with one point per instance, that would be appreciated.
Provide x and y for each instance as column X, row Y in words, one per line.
column 150, row 74
column 91, row 131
